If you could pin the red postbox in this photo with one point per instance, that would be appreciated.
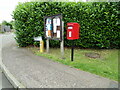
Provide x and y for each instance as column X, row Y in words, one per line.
column 73, row 31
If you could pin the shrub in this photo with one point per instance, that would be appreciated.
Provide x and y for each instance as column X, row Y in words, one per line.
column 7, row 24
column 97, row 20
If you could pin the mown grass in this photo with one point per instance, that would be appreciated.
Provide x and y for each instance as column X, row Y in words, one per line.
column 1, row 32
column 106, row 65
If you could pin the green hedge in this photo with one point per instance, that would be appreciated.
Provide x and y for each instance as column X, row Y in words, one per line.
column 98, row 21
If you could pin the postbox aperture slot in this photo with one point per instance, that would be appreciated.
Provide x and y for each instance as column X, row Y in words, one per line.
column 70, row 27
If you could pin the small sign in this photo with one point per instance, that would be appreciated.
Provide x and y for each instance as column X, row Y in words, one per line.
column 38, row 38
column 58, row 34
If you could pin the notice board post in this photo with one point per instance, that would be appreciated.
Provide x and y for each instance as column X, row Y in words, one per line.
column 47, row 45
column 62, row 42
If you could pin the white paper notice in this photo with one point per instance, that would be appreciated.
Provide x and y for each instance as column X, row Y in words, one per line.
column 47, row 33
column 48, row 26
column 54, row 28
column 70, row 34
column 48, row 21
column 58, row 21
column 54, row 25
column 54, row 21
column 58, row 34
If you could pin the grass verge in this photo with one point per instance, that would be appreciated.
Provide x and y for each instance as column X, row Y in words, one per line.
column 1, row 32
column 106, row 65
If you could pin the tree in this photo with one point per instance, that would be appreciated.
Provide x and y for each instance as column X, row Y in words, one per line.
column 7, row 24
column 4, row 23
column 12, row 23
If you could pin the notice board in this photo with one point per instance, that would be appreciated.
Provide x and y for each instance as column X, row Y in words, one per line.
column 53, row 27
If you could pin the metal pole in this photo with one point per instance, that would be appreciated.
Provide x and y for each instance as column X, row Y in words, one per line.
column 72, row 52
column 41, row 46
column 47, row 45
column 62, row 42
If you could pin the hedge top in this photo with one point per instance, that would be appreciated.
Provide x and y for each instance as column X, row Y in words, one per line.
column 98, row 21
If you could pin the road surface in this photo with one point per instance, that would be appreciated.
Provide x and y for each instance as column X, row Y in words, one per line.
column 39, row 72
column 4, row 82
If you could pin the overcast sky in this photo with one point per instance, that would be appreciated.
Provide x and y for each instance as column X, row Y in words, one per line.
column 7, row 7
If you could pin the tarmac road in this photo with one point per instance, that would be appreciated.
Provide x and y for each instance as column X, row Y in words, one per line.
column 39, row 72
column 0, row 79
column 4, row 82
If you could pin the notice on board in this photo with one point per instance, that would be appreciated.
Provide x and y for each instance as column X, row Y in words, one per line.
column 58, row 34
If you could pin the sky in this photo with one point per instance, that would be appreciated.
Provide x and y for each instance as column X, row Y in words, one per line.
column 6, row 9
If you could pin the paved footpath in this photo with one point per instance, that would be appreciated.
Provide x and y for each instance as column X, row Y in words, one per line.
column 38, row 72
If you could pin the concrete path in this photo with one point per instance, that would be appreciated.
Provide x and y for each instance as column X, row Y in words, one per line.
column 38, row 72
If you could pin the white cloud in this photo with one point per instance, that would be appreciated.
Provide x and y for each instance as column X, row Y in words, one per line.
column 7, row 7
